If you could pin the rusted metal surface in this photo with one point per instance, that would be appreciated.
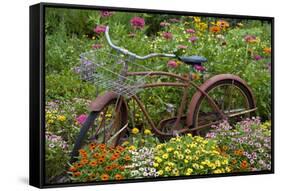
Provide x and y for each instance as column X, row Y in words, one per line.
column 182, row 106
column 202, row 91
column 100, row 102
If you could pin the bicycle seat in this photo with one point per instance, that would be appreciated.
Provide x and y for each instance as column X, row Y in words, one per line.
column 192, row 60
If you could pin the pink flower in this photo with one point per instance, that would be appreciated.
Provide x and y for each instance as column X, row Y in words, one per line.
column 199, row 68
column 192, row 39
column 137, row 22
column 190, row 31
column 182, row 47
column 257, row 57
column 100, row 29
column 167, row 35
column 250, row 38
column 164, row 24
column 81, row 119
column 96, row 46
column 106, row 13
column 172, row 64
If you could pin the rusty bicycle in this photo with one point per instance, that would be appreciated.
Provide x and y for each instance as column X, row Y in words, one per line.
column 221, row 97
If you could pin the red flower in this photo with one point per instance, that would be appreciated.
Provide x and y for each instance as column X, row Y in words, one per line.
column 167, row 35
column 172, row 64
column 100, row 29
column 137, row 22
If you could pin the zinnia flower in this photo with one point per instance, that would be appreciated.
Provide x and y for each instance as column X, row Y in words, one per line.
column 250, row 38
column 135, row 130
column 100, row 29
column 257, row 57
column 215, row 29
column 223, row 24
column 192, row 39
column 137, row 22
column 118, row 177
column 167, row 35
column 81, row 119
column 199, row 68
column 104, row 177
column 190, row 31
column 172, row 64
column 106, row 13
column 267, row 50
column 182, row 47
column 164, row 24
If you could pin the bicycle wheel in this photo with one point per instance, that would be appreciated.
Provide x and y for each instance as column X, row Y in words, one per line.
column 232, row 97
column 108, row 126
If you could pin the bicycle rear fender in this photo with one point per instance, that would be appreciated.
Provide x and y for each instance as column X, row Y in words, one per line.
column 205, row 86
column 102, row 100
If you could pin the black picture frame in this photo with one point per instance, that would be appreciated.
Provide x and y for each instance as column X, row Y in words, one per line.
column 37, row 92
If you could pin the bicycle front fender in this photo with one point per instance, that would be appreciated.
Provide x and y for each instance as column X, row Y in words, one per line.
column 102, row 101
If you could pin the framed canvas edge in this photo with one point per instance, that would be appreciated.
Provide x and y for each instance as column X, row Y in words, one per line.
column 37, row 94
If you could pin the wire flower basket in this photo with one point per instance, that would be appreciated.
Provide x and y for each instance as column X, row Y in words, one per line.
column 108, row 72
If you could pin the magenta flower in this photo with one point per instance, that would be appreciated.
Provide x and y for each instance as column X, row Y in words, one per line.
column 190, row 31
column 257, row 57
column 106, row 13
column 137, row 22
column 250, row 38
column 192, row 39
column 100, row 29
column 199, row 68
column 81, row 119
column 96, row 46
column 164, row 24
column 167, row 35
column 182, row 47
column 172, row 64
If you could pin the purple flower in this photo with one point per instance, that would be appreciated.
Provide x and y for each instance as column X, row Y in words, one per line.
column 167, row 35
column 190, row 31
column 81, row 119
column 106, row 13
column 164, row 24
column 257, row 57
column 96, row 46
column 100, row 29
column 199, row 68
column 192, row 39
column 137, row 22
column 172, row 64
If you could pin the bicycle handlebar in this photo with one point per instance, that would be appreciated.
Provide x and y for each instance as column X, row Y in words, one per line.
column 127, row 52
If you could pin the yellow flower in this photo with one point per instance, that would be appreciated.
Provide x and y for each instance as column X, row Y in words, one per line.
column 168, row 169
column 170, row 149
column 135, row 130
column 197, row 19
column 186, row 161
column 218, row 171
column 175, row 172
column 61, row 118
column 50, row 121
column 189, row 171
column 195, row 165
column 180, row 156
column 160, row 172
column 165, row 156
column 158, row 159
column 147, row 132
column 155, row 165
column 132, row 148
column 218, row 163
column 227, row 169
column 240, row 24
column 125, row 143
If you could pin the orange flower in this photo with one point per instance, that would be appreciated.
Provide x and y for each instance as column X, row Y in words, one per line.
column 267, row 50
column 114, row 165
column 79, row 165
column 101, row 160
column 96, row 155
column 223, row 24
column 72, row 169
column 215, row 29
column 118, row 177
column 127, row 158
column 234, row 161
column 120, row 148
column 84, row 161
column 238, row 152
column 244, row 164
column 77, row 174
column 121, row 168
column 92, row 146
column 104, row 177
column 113, row 158
column 102, row 146
column 93, row 163
column 108, row 168
column 81, row 151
